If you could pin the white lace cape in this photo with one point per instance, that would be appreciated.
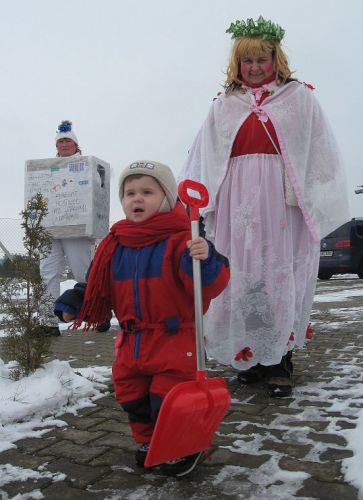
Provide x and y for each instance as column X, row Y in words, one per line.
column 308, row 148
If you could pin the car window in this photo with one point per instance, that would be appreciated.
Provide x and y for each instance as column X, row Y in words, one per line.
column 342, row 232
column 360, row 229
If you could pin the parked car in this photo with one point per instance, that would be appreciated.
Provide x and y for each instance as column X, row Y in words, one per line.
column 341, row 252
column 6, row 267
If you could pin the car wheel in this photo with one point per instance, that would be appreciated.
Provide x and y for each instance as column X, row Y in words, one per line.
column 360, row 270
column 325, row 276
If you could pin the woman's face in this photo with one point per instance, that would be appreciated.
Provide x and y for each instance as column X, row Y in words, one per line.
column 255, row 69
column 66, row 147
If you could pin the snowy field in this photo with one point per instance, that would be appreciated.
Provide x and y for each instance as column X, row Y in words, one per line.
column 31, row 406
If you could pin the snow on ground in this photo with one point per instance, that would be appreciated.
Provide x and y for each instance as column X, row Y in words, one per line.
column 342, row 295
column 35, row 402
column 9, row 473
column 32, row 405
column 345, row 394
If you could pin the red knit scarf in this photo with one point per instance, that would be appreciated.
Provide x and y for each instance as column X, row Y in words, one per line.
column 97, row 300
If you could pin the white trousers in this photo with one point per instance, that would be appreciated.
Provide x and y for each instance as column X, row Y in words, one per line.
column 78, row 253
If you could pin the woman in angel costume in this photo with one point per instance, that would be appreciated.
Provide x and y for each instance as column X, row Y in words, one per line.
column 272, row 167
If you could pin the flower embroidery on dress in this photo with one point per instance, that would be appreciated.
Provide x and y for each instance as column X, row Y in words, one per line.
column 309, row 86
column 309, row 332
column 246, row 219
column 245, row 355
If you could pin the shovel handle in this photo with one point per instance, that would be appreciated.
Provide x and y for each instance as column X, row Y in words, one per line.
column 194, row 204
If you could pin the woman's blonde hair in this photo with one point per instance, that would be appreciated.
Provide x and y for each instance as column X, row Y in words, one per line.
column 253, row 46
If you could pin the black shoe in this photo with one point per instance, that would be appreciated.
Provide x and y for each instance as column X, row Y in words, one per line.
column 140, row 455
column 104, row 327
column 280, row 387
column 280, row 382
column 252, row 375
column 50, row 331
column 182, row 466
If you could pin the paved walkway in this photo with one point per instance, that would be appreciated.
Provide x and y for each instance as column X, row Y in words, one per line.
column 266, row 448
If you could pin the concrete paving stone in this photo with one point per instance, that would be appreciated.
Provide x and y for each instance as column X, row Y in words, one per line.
column 62, row 491
column 251, row 429
column 78, row 436
column 332, row 454
column 316, row 375
column 25, row 460
column 92, row 410
column 308, row 392
column 318, row 425
column 223, row 456
column 236, row 487
column 327, row 490
column 258, row 418
column 153, row 485
column 336, row 392
column 79, row 476
column 337, row 414
column 244, row 409
column 318, row 404
column 281, row 410
column 221, row 439
column 281, row 404
column 344, row 424
column 85, row 423
column 24, row 487
column 123, row 483
column 108, row 402
column 34, row 445
column 355, row 405
column 292, row 450
column 116, row 456
column 78, row 453
column 121, row 428
column 70, row 418
column 113, row 414
column 327, row 438
column 328, row 472
column 261, row 398
column 111, row 439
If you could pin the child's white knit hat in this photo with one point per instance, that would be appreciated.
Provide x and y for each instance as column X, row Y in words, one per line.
column 65, row 132
column 162, row 173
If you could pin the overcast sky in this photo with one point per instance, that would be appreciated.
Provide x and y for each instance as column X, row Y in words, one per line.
column 136, row 78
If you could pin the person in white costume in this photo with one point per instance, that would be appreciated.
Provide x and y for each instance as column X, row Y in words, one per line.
column 77, row 251
column 272, row 167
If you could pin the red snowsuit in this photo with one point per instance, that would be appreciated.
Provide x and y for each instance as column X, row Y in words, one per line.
column 152, row 289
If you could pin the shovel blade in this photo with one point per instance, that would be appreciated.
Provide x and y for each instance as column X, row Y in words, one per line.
column 188, row 419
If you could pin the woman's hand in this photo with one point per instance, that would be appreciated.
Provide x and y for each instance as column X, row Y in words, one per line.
column 198, row 248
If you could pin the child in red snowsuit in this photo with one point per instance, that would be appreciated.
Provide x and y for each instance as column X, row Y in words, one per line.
column 143, row 271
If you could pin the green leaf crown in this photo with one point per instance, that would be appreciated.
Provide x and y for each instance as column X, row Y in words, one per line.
column 261, row 28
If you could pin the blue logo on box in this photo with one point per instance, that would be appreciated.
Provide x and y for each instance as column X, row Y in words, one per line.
column 76, row 167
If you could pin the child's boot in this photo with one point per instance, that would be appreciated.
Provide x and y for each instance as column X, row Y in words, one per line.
column 140, row 455
column 182, row 466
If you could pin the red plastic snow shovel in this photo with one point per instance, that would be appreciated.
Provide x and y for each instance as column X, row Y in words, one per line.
column 191, row 411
